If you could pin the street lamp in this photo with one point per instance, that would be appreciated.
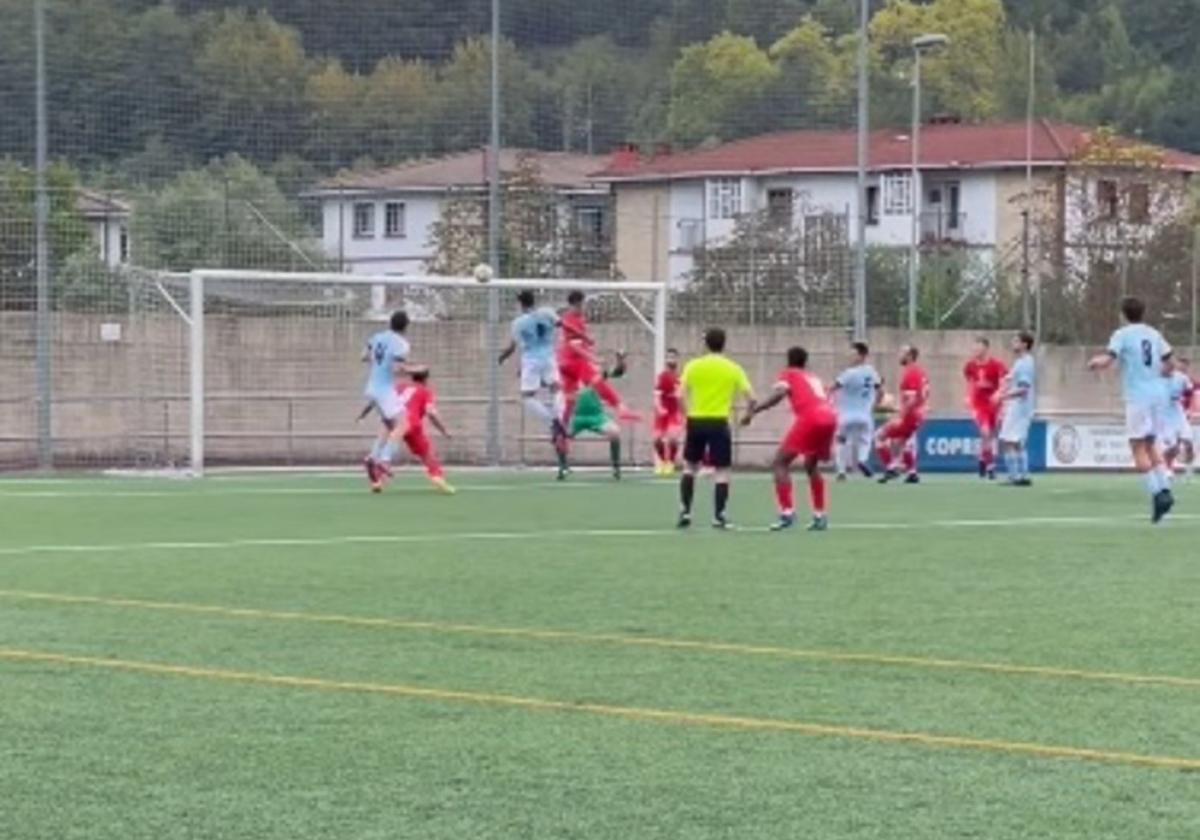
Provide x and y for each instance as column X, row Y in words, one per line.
column 920, row 45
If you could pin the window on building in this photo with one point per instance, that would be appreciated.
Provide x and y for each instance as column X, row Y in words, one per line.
column 589, row 225
column 954, row 219
column 1108, row 200
column 897, row 194
column 691, row 235
column 123, row 244
column 873, row 204
column 725, row 198
column 364, row 220
column 393, row 220
column 781, row 206
column 1139, row 203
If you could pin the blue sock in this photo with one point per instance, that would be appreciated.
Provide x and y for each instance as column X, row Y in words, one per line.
column 1152, row 481
column 377, row 450
column 1010, row 464
column 388, row 453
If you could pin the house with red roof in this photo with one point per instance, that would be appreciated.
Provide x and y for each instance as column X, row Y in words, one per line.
column 972, row 188
column 381, row 221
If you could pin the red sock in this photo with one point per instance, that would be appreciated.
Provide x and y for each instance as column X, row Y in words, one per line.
column 986, row 457
column 783, row 494
column 885, row 455
column 433, row 467
column 607, row 392
column 909, row 459
column 673, row 451
column 660, row 449
column 816, row 493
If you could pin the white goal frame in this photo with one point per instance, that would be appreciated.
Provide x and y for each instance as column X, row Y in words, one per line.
column 656, row 323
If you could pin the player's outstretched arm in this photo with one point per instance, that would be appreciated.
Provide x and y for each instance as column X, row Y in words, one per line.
column 1102, row 361
column 754, row 408
column 507, row 351
column 435, row 420
column 367, row 409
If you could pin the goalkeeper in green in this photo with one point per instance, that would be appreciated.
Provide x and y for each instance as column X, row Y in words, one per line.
column 591, row 414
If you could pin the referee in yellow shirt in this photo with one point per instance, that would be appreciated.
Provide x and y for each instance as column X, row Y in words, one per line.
column 711, row 383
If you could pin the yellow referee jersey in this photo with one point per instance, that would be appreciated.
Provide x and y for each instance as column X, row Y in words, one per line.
column 712, row 382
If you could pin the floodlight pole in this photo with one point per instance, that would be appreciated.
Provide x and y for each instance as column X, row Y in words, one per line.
column 919, row 45
column 42, row 247
column 860, row 249
column 492, row 446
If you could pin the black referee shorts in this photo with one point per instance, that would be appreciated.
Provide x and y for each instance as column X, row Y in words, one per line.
column 711, row 436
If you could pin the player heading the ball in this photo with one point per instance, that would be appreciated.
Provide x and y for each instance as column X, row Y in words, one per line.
column 533, row 333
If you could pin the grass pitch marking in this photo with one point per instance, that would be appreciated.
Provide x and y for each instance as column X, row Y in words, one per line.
column 614, row 639
column 702, row 719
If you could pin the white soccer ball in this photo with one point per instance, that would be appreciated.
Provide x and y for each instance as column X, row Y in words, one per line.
column 483, row 273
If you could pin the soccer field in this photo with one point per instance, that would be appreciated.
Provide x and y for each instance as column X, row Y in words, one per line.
column 290, row 657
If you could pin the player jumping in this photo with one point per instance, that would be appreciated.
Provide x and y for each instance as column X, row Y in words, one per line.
column 590, row 416
column 1177, row 441
column 810, row 437
column 668, row 416
column 577, row 362
column 857, row 392
column 387, row 353
column 984, row 373
column 1017, row 402
column 533, row 333
column 896, row 443
column 1142, row 354
column 417, row 402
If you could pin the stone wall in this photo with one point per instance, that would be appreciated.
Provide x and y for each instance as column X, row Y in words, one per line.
column 286, row 390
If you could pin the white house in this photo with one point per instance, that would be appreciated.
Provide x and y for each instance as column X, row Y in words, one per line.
column 971, row 183
column 380, row 222
column 107, row 219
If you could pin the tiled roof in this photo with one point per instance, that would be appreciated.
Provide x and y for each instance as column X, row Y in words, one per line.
column 943, row 145
column 561, row 170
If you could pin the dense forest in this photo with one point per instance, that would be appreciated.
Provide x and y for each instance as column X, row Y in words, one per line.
column 141, row 90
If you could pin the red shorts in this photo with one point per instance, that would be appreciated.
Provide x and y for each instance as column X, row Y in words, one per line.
column 666, row 422
column 417, row 442
column 575, row 373
column 987, row 416
column 811, row 436
column 903, row 426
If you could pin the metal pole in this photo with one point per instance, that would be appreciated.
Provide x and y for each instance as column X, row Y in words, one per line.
column 493, row 244
column 1026, row 315
column 42, row 246
column 860, row 247
column 914, row 255
column 196, row 373
column 1195, row 283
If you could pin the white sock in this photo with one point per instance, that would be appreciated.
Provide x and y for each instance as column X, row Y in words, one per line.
column 839, row 456
column 540, row 410
column 1152, row 481
column 1165, row 477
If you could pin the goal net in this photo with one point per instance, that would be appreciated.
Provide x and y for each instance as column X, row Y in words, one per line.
column 276, row 377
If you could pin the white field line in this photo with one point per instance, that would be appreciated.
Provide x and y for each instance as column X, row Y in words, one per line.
column 486, row 536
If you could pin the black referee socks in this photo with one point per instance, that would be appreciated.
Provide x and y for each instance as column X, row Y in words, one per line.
column 687, row 490
column 720, row 499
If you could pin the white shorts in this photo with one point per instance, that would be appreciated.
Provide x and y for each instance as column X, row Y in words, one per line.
column 1145, row 421
column 538, row 373
column 1178, row 430
column 858, row 428
column 386, row 402
column 1014, row 428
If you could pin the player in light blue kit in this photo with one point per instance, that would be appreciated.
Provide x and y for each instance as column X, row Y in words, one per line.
column 533, row 333
column 856, row 393
column 1177, row 441
column 387, row 354
column 1018, row 401
column 1142, row 354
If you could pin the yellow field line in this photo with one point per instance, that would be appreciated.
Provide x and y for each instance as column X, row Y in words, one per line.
column 572, row 637
column 719, row 721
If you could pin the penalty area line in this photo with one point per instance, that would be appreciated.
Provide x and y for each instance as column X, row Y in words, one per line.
column 635, row 713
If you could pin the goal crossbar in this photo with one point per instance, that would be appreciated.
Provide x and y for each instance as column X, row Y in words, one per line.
column 443, row 282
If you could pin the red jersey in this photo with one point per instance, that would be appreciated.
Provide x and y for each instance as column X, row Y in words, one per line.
column 574, row 332
column 416, row 399
column 913, row 381
column 984, row 378
column 667, row 390
column 806, row 393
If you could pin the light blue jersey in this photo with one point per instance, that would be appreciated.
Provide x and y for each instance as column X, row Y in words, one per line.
column 534, row 333
column 1023, row 375
column 1140, row 350
column 857, row 387
column 385, row 350
column 1178, row 384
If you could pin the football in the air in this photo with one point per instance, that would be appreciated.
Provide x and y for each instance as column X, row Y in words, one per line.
column 887, row 403
column 483, row 273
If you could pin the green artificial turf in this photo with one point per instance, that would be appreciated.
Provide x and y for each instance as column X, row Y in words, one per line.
column 506, row 663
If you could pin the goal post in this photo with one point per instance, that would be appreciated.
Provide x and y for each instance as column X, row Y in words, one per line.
column 275, row 377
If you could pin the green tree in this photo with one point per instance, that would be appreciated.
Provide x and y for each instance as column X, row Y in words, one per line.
column 336, row 107
column 815, row 86
column 593, row 79
column 717, row 88
column 463, row 91
column 401, row 108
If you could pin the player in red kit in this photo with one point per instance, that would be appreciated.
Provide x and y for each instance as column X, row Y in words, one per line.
column 984, row 374
column 418, row 402
column 896, row 442
column 810, row 437
column 668, row 416
column 577, row 364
